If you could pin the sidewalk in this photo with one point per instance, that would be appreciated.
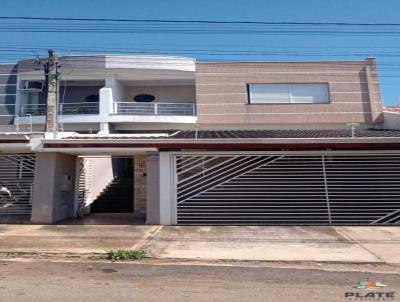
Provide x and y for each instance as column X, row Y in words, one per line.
column 329, row 244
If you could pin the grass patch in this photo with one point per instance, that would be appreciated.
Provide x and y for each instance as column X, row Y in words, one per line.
column 122, row 255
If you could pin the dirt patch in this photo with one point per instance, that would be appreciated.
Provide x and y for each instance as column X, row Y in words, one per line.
column 108, row 270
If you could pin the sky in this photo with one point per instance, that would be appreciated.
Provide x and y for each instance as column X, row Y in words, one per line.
column 232, row 43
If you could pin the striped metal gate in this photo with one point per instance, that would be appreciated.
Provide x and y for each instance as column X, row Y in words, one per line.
column 16, row 183
column 337, row 189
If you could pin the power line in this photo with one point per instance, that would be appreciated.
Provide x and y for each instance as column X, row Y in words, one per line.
column 195, row 21
column 237, row 52
column 202, row 45
column 79, row 28
column 199, row 27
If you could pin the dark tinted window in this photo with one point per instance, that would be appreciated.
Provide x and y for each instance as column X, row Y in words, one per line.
column 144, row 98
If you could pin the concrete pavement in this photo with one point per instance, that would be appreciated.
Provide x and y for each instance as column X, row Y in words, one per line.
column 262, row 243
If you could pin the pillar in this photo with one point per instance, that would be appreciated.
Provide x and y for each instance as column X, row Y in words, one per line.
column 153, row 188
column 139, row 185
column 374, row 91
column 54, row 188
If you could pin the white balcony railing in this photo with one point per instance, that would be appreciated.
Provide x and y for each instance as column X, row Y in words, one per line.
column 130, row 108
column 64, row 109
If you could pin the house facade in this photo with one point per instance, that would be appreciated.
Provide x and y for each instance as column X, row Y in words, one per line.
column 175, row 141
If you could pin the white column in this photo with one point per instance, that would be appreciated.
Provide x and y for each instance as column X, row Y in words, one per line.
column 117, row 89
column 105, row 107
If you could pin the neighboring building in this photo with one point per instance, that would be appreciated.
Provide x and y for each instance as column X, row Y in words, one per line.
column 179, row 142
column 392, row 117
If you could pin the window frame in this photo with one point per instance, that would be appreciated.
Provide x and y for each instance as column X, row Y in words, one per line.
column 289, row 103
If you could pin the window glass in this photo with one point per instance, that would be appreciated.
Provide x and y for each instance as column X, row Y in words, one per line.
column 288, row 93
column 270, row 93
column 309, row 93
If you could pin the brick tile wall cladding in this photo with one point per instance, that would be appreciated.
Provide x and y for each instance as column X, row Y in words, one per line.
column 139, row 179
column 221, row 93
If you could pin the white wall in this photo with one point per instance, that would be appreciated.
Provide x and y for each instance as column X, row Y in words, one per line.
column 170, row 94
column 101, row 174
column 167, row 189
column 146, row 62
column 161, row 208
column 118, row 92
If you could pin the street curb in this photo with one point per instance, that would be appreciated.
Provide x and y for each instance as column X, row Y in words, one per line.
column 6, row 255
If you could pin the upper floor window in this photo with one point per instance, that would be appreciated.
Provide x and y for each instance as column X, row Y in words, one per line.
column 146, row 98
column 288, row 93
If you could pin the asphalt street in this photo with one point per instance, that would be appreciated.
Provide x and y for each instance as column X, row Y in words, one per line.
column 32, row 280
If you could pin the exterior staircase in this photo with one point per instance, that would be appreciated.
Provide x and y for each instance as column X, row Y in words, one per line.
column 117, row 197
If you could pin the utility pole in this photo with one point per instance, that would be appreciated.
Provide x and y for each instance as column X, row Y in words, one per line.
column 52, row 88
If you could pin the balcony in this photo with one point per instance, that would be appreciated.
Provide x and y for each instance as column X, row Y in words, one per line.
column 33, row 110
column 115, row 105
column 64, row 109
column 120, row 108
column 156, row 109
column 107, row 111
column 79, row 108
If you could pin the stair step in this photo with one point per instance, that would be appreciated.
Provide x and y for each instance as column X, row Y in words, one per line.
column 117, row 197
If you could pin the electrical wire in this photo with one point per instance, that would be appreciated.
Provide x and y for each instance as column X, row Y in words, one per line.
column 195, row 21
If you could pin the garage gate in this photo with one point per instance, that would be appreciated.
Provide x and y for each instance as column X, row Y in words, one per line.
column 335, row 189
column 16, row 184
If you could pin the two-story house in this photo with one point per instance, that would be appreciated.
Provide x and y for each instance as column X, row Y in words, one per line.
column 175, row 141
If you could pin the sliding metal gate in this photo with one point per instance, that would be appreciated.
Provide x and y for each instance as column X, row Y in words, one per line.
column 16, row 183
column 288, row 189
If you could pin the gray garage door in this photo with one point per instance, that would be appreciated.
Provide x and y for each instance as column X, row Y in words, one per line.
column 288, row 189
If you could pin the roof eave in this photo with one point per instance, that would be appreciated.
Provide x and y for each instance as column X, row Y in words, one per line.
column 223, row 141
